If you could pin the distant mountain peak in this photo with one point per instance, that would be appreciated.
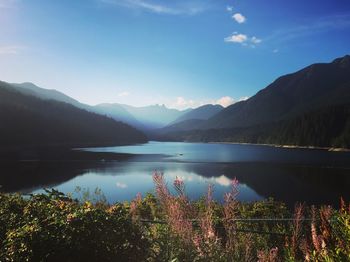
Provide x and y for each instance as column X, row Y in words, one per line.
column 200, row 113
column 31, row 85
column 28, row 83
column 342, row 61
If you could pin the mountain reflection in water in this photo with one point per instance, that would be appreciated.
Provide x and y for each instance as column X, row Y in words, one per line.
column 122, row 179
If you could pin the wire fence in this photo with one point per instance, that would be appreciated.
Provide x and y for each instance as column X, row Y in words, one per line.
column 242, row 220
column 270, row 221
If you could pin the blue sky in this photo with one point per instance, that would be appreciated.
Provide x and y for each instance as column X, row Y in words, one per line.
column 182, row 53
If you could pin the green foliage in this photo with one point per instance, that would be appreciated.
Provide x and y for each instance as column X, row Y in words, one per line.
column 54, row 227
column 325, row 127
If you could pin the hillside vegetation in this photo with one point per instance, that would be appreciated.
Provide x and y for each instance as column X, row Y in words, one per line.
column 326, row 127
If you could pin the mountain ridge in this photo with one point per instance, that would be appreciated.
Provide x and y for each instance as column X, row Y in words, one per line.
column 144, row 118
column 30, row 121
column 203, row 112
column 314, row 92
column 290, row 95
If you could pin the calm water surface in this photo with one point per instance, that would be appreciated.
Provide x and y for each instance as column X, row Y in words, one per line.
column 290, row 175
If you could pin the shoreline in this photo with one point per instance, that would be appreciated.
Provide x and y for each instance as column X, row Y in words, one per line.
column 329, row 149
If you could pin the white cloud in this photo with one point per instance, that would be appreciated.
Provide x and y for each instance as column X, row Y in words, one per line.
column 229, row 8
column 244, row 98
column 239, row 18
column 236, row 38
column 275, row 51
column 243, row 40
column 255, row 40
column 124, row 94
column 121, row 185
column 183, row 7
column 182, row 103
column 225, row 101
column 10, row 50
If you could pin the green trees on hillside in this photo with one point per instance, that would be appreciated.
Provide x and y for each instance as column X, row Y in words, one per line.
column 327, row 127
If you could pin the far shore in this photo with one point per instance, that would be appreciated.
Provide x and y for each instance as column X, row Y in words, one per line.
column 331, row 149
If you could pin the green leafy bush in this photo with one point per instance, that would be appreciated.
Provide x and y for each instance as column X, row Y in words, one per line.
column 54, row 227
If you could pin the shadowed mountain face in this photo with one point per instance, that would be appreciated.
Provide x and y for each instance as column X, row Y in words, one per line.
column 29, row 120
column 115, row 111
column 192, row 119
column 313, row 87
column 310, row 107
column 45, row 94
column 201, row 113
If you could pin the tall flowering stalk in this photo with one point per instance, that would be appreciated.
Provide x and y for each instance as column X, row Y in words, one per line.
column 177, row 209
column 320, row 241
column 270, row 256
column 296, row 230
column 161, row 189
column 326, row 213
column 207, row 226
column 316, row 239
column 230, row 214
column 135, row 207
column 207, row 242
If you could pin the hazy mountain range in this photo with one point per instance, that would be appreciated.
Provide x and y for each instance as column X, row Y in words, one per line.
column 31, row 115
column 144, row 118
column 30, row 120
column 308, row 107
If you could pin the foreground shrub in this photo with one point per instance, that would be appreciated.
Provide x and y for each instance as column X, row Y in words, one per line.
column 54, row 227
column 169, row 227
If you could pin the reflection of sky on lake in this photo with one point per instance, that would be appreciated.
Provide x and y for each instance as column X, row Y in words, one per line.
column 289, row 175
column 230, row 153
column 122, row 181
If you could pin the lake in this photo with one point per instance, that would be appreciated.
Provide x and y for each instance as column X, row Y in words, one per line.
column 290, row 175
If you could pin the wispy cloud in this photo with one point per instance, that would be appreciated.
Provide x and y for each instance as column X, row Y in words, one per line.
column 255, row 40
column 310, row 28
column 10, row 50
column 229, row 8
column 239, row 18
column 8, row 3
column 170, row 8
